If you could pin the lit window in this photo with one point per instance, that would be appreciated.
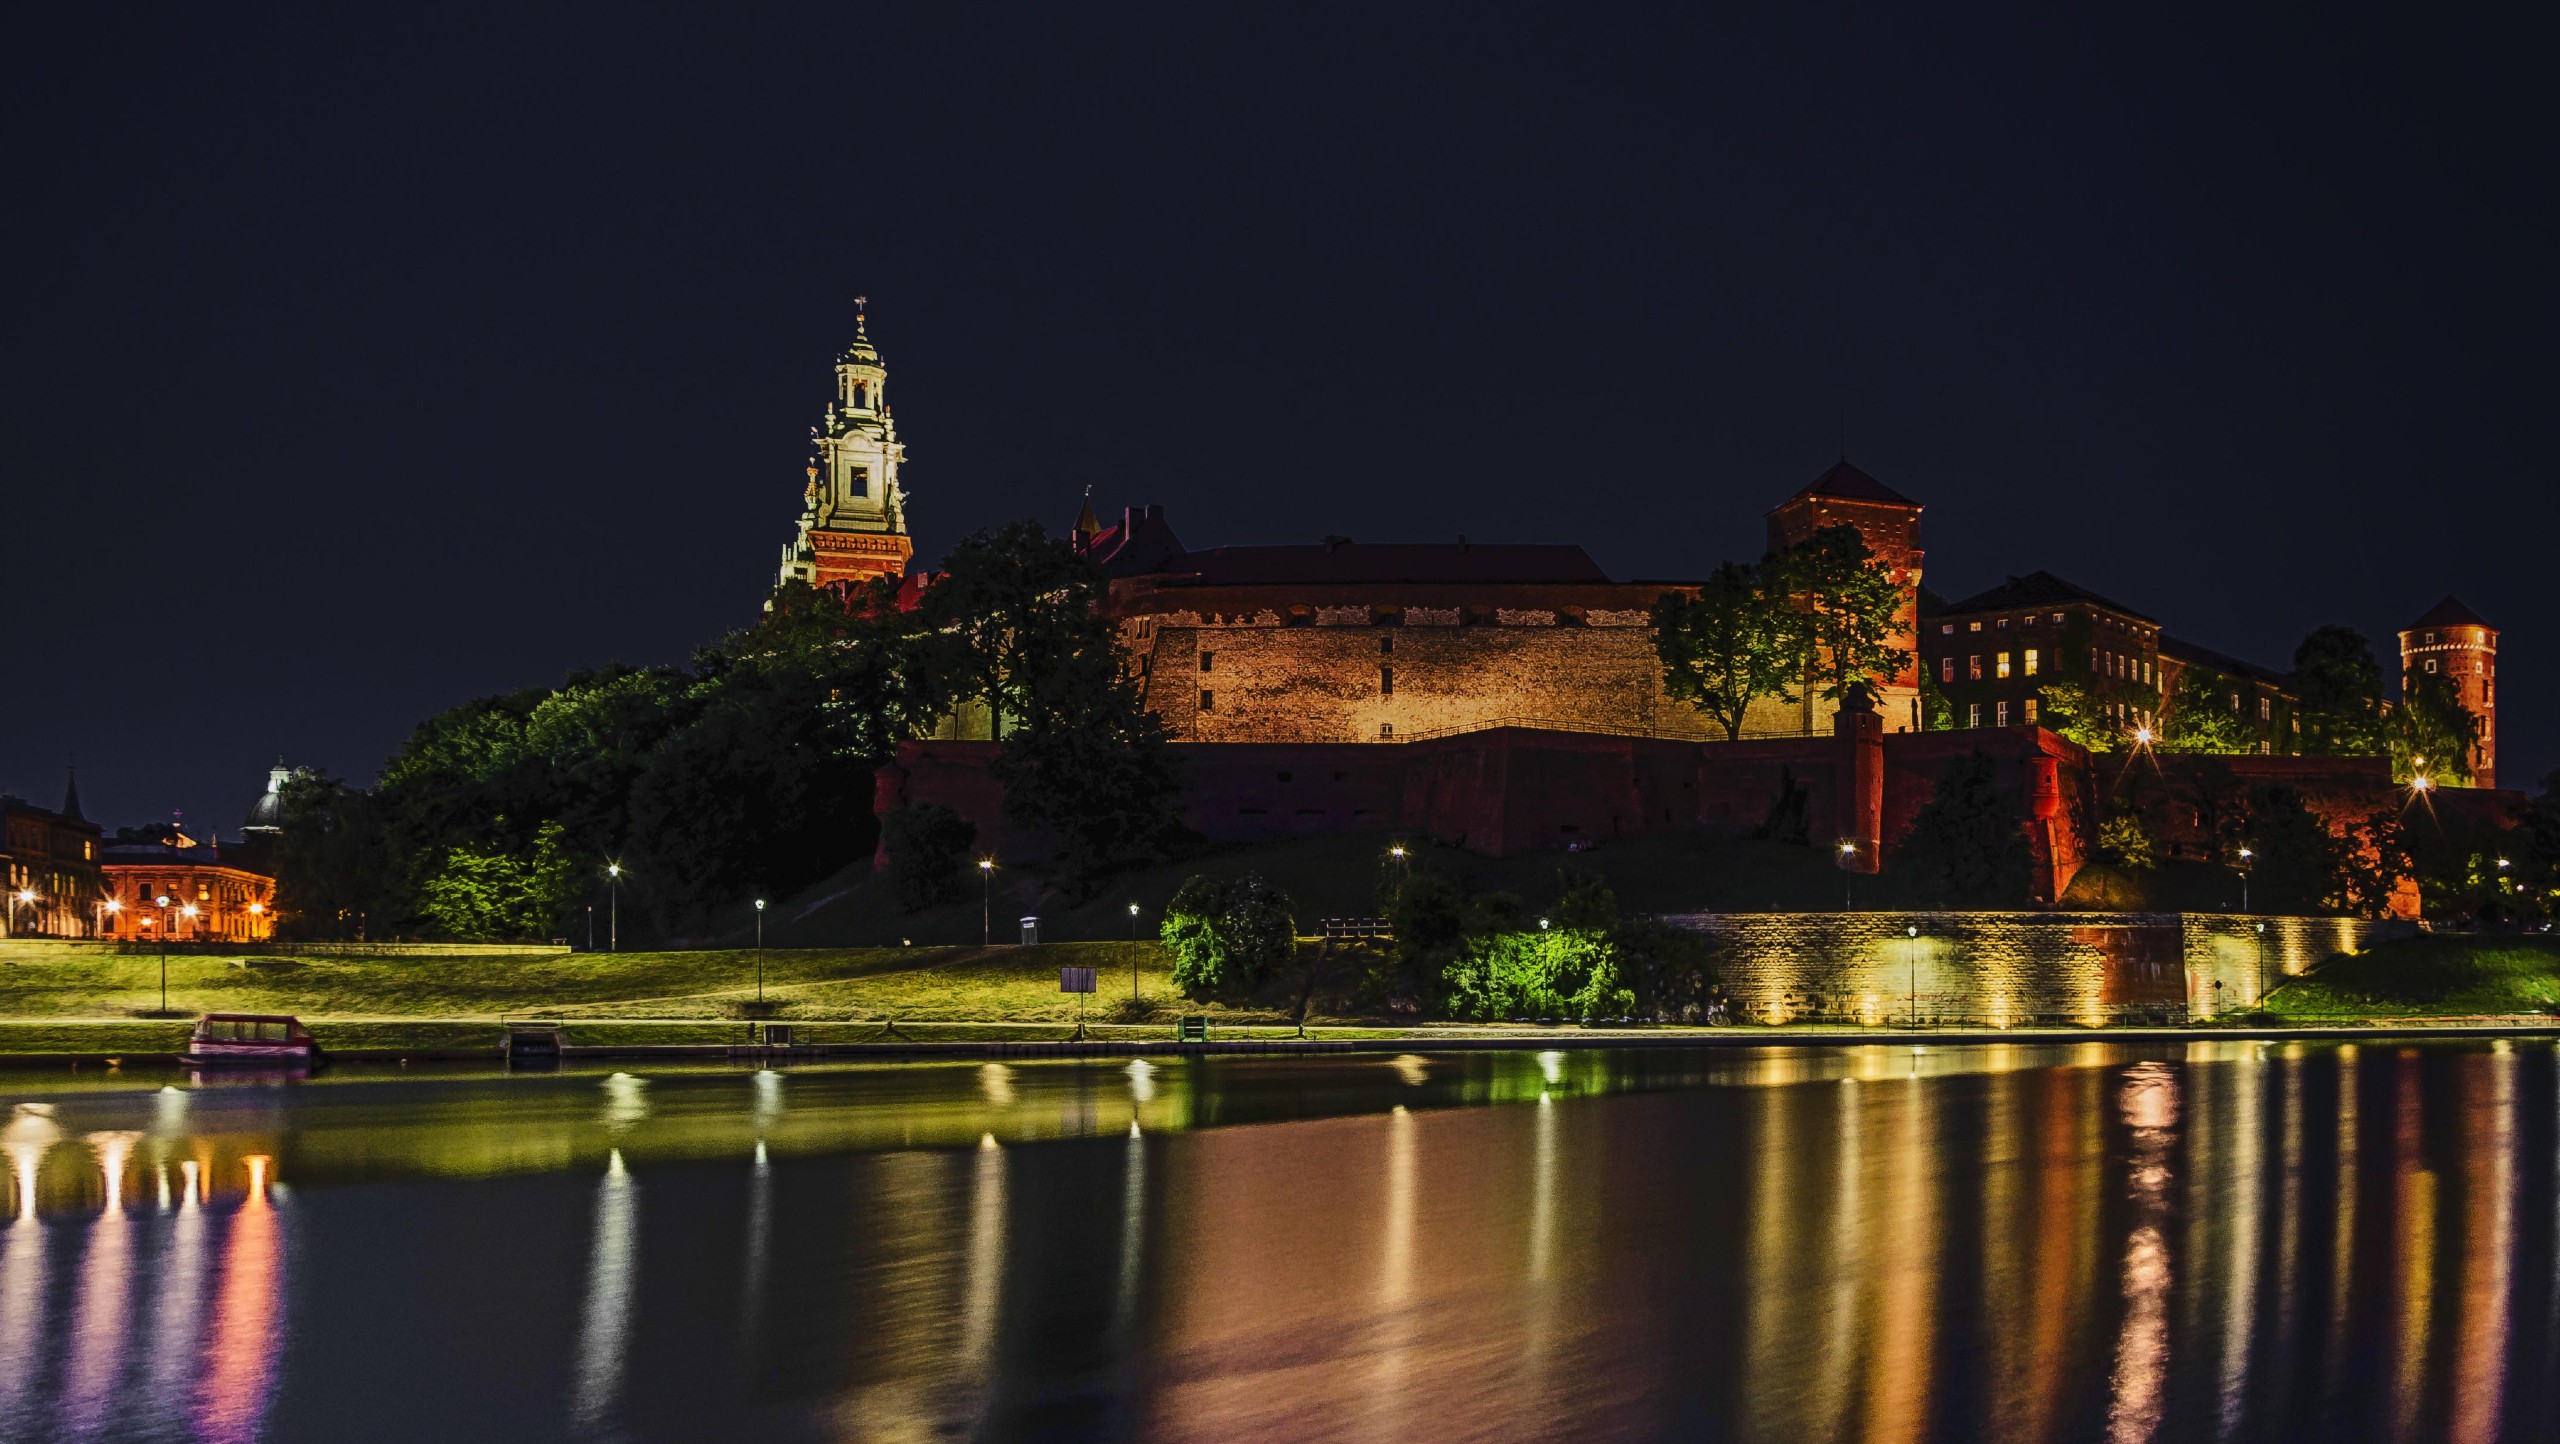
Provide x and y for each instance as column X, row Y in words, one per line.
column 1973, row 714
column 2057, row 619
column 2002, row 624
column 1973, row 667
column 2031, row 711
column 1946, row 669
column 1973, row 626
column 1946, row 629
column 2031, row 661
column 2001, row 713
column 2431, row 664
column 2031, row 619
column 2001, row 664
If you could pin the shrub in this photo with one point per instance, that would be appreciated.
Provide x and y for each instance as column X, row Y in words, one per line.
column 1227, row 936
column 1552, row 973
column 928, row 846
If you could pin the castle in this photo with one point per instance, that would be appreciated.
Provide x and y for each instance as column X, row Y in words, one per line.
column 1505, row 696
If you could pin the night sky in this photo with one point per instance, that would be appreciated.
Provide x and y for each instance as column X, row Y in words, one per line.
column 357, row 366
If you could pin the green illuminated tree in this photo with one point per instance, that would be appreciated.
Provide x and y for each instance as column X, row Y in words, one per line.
column 482, row 894
column 2431, row 731
column 2205, row 716
column 2340, row 686
column 2070, row 711
column 1849, row 626
column 1227, row 936
column 1731, row 643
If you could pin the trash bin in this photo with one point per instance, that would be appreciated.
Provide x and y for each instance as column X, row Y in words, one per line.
column 1030, row 930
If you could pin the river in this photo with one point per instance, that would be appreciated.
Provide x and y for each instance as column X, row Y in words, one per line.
column 2226, row 1240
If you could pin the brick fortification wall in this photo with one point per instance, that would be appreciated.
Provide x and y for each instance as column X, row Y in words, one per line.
column 1509, row 790
column 1580, row 658
column 2009, row 969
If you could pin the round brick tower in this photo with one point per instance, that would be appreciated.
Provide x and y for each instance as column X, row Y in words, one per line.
column 2458, row 643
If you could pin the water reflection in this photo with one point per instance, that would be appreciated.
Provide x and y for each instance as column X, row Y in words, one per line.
column 1875, row 1243
column 604, row 1320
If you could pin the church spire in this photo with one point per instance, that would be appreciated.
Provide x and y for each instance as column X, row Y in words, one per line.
column 71, row 797
column 853, row 523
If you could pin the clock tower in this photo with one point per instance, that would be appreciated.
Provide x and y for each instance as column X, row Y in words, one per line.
column 853, row 523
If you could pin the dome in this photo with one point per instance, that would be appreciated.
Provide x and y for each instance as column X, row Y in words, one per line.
column 267, row 813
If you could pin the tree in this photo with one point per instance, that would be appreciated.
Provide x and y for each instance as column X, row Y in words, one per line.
column 1550, row 973
column 1227, row 936
column 2205, row 716
column 928, row 846
column 2296, row 864
column 1849, row 626
column 1968, row 847
column 2070, row 711
column 1015, row 622
column 2340, row 689
column 2431, row 732
column 335, row 875
column 483, row 894
column 1729, row 644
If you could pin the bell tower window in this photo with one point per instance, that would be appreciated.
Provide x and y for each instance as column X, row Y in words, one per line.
column 857, row 481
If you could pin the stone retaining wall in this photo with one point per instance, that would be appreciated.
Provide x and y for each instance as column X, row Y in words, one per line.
column 2008, row 969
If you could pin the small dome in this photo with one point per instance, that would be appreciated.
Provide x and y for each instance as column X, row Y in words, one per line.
column 267, row 813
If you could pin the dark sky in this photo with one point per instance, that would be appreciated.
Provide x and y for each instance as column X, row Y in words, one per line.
column 358, row 365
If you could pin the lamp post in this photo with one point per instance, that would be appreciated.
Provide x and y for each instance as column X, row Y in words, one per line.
column 1133, row 955
column 986, row 902
column 1911, row 950
column 759, row 950
column 591, row 927
column 106, row 913
column 613, row 907
column 25, row 897
column 2245, row 855
column 1848, row 875
column 2262, row 967
column 163, row 900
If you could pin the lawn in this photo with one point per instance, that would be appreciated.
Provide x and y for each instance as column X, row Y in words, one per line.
column 2458, row 975
column 1003, row 984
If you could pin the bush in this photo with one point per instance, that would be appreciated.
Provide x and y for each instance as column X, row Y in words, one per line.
column 1227, row 936
column 1552, row 973
column 928, row 846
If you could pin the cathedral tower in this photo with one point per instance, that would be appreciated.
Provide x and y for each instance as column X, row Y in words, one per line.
column 853, row 523
column 2458, row 643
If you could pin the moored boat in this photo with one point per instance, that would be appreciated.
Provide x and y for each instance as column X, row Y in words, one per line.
column 251, row 1038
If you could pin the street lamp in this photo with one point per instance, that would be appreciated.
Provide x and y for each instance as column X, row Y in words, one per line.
column 2262, row 966
column 1133, row 955
column 1911, row 948
column 2141, row 736
column 163, row 900
column 107, row 910
column 1848, row 875
column 2245, row 855
column 613, row 908
column 26, row 897
column 759, row 950
column 986, row 902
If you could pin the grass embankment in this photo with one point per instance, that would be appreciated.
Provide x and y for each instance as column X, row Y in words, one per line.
column 94, row 999
column 2440, row 975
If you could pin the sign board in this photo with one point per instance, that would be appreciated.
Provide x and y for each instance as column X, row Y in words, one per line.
column 1075, row 980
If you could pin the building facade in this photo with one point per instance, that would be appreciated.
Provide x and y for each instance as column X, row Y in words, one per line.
column 49, row 868
column 184, row 890
column 1344, row 641
column 2453, row 641
column 853, row 522
column 1993, row 654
